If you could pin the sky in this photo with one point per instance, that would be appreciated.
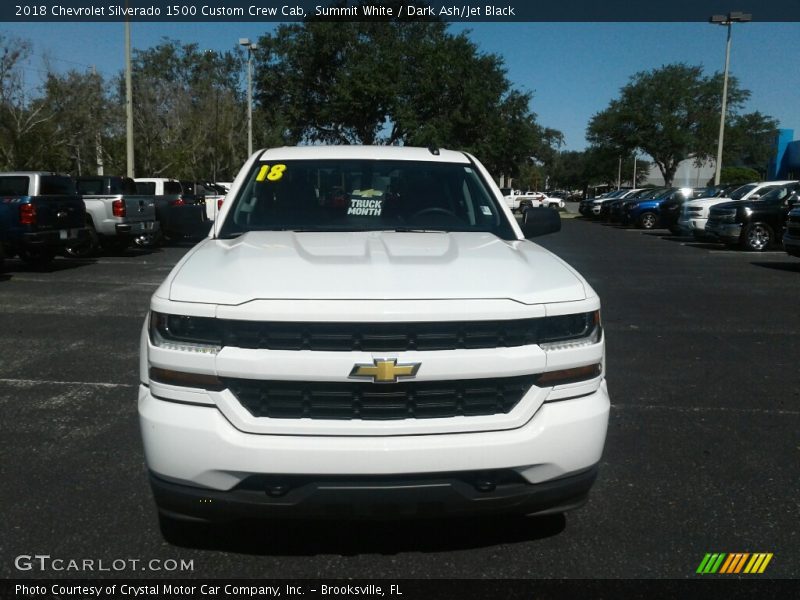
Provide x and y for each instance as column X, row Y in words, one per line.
column 572, row 69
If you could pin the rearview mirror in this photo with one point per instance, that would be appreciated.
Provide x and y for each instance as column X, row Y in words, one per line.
column 540, row 221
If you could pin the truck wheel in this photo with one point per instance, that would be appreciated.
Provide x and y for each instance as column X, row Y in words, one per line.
column 37, row 257
column 756, row 237
column 86, row 248
column 648, row 220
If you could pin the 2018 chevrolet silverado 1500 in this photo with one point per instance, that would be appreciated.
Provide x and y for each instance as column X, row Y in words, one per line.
column 115, row 215
column 40, row 214
column 695, row 212
column 367, row 332
column 753, row 224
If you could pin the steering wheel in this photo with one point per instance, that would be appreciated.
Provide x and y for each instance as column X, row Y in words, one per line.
column 434, row 210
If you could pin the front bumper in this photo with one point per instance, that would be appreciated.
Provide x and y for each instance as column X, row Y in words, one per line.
column 409, row 496
column 204, row 468
column 726, row 232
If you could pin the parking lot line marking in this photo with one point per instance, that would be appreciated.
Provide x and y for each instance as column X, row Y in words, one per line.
column 92, row 281
column 50, row 382
column 707, row 409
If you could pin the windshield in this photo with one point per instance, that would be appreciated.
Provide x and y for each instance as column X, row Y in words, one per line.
column 739, row 193
column 780, row 193
column 653, row 193
column 364, row 195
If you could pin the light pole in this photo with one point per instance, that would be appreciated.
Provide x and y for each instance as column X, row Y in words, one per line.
column 128, row 100
column 733, row 17
column 250, row 47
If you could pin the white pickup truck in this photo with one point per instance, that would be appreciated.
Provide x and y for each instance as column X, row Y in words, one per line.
column 517, row 200
column 367, row 332
column 115, row 215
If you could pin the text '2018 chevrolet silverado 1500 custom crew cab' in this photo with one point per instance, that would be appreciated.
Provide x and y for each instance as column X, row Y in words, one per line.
column 366, row 332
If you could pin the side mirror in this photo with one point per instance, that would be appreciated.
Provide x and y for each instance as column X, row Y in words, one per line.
column 540, row 221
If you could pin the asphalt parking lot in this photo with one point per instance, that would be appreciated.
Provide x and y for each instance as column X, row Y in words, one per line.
column 702, row 455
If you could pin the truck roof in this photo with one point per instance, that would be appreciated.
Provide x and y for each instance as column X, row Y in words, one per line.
column 363, row 152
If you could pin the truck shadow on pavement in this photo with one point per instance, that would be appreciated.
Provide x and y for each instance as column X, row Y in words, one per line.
column 790, row 267
column 350, row 538
column 14, row 265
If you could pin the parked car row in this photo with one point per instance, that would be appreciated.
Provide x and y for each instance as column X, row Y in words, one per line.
column 43, row 214
column 755, row 216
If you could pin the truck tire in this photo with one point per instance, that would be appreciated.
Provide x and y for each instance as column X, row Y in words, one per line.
column 86, row 248
column 757, row 237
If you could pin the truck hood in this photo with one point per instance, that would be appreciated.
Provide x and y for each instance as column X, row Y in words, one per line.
column 706, row 202
column 371, row 265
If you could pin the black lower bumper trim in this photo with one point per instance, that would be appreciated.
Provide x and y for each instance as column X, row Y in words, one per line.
column 408, row 496
column 52, row 238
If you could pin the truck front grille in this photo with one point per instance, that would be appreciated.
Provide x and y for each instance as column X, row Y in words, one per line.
column 369, row 401
column 380, row 337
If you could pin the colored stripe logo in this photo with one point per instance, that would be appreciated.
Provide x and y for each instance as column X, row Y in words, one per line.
column 734, row 563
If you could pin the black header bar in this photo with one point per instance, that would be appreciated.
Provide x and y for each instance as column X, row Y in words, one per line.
column 365, row 10
column 712, row 588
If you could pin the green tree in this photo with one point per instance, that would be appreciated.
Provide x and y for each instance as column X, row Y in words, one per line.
column 671, row 113
column 83, row 116
column 188, row 111
column 23, row 118
column 393, row 82
column 731, row 175
column 749, row 142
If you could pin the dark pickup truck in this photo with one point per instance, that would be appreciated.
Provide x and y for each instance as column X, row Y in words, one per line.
column 40, row 214
column 753, row 224
column 179, row 213
column 791, row 237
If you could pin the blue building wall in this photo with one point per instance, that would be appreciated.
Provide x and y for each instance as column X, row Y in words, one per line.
column 791, row 161
column 785, row 164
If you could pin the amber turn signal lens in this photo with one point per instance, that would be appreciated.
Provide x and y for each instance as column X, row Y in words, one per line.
column 570, row 375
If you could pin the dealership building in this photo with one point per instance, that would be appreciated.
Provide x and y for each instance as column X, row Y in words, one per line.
column 786, row 162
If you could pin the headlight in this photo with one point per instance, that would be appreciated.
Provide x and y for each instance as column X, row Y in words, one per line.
column 570, row 331
column 189, row 334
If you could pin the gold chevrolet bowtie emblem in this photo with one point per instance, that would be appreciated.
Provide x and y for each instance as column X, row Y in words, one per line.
column 384, row 370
